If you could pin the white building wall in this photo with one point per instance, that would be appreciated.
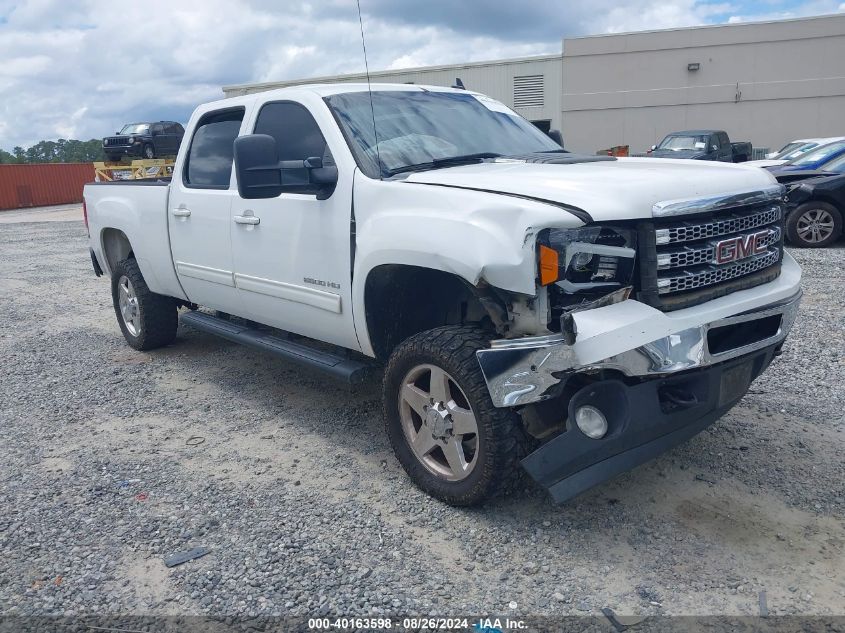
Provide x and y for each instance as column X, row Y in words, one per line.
column 763, row 82
column 495, row 79
column 767, row 83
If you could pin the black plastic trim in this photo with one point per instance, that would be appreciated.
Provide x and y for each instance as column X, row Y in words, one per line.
column 97, row 270
column 642, row 422
column 348, row 370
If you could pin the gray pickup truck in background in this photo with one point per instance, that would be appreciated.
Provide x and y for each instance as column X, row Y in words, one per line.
column 702, row 145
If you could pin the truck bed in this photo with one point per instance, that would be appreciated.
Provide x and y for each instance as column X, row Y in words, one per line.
column 134, row 211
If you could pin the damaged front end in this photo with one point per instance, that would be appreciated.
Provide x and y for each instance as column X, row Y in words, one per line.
column 652, row 338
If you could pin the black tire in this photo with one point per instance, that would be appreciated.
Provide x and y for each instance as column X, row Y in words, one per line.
column 157, row 315
column 149, row 151
column 501, row 439
column 802, row 215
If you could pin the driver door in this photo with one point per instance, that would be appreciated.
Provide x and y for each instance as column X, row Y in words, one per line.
column 291, row 253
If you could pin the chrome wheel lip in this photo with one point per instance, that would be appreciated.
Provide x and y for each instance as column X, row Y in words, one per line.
column 127, row 302
column 815, row 225
column 455, row 427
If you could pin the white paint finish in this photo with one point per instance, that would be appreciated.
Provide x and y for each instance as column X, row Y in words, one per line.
column 289, row 292
column 299, row 238
column 205, row 273
column 138, row 212
column 437, row 219
column 767, row 162
column 608, row 190
column 611, row 330
column 200, row 225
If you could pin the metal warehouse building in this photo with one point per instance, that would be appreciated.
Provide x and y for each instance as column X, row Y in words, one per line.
column 766, row 82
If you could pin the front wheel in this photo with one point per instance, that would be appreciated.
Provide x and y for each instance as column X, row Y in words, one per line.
column 149, row 151
column 450, row 439
column 814, row 225
column 147, row 320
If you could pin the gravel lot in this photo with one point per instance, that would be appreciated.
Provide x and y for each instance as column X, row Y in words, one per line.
column 114, row 459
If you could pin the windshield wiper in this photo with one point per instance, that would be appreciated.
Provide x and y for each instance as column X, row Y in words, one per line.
column 450, row 161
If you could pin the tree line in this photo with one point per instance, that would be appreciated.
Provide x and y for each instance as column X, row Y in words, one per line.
column 60, row 151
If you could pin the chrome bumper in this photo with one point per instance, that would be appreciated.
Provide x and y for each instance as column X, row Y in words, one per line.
column 528, row 370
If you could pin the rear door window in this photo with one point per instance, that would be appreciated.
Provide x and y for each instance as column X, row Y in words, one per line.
column 209, row 161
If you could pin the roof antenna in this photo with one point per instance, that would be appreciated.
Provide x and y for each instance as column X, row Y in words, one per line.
column 369, row 86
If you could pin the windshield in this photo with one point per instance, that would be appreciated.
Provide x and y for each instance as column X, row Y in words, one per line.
column 420, row 127
column 135, row 128
column 678, row 143
column 837, row 165
column 795, row 150
column 819, row 155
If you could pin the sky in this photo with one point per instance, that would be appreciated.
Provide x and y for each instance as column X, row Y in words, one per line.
column 81, row 69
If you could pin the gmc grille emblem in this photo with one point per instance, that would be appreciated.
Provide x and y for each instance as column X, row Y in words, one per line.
column 736, row 248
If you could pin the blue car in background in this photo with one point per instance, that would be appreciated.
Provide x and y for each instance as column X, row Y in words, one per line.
column 816, row 159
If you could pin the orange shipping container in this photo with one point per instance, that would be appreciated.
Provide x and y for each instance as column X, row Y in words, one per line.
column 43, row 184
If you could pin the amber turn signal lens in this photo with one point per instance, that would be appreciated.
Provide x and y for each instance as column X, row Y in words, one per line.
column 548, row 265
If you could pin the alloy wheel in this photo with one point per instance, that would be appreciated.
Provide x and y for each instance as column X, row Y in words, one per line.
column 438, row 422
column 128, row 303
column 815, row 225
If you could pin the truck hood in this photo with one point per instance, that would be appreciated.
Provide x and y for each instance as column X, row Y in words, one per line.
column 624, row 189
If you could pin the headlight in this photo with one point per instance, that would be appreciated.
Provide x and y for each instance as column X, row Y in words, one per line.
column 131, row 140
column 593, row 259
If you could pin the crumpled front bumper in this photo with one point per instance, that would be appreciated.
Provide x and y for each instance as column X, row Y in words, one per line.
column 640, row 341
column 675, row 374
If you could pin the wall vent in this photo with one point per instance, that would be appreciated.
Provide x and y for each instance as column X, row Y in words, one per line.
column 528, row 91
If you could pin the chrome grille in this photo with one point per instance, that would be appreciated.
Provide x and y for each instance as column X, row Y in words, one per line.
column 709, row 277
column 705, row 252
column 689, row 231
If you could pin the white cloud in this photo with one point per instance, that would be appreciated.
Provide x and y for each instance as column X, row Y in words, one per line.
column 83, row 68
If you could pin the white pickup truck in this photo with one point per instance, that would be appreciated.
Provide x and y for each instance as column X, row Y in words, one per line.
column 577, row 315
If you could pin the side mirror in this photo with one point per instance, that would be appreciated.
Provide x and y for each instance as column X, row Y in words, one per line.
column 556, row 136
column 261, row 174
column 257, row 167
column 653, row 147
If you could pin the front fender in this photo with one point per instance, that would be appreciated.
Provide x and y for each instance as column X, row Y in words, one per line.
column 477, row 236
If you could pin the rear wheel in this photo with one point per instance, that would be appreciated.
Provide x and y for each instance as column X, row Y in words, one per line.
column 814, row 225
column 450, row 439
column 147, row 320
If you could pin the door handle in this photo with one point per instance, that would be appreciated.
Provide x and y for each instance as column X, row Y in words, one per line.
column 181, row 212
column 247, row 219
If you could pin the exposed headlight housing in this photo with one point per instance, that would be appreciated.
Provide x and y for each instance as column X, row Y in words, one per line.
column 796, row 193
column 592, row 260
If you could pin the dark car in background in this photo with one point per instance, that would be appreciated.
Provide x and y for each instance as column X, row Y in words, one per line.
column 815, row 204
column 144, row 140
column 701, row 145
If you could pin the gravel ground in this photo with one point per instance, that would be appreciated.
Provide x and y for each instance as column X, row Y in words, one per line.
column 114, row 459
